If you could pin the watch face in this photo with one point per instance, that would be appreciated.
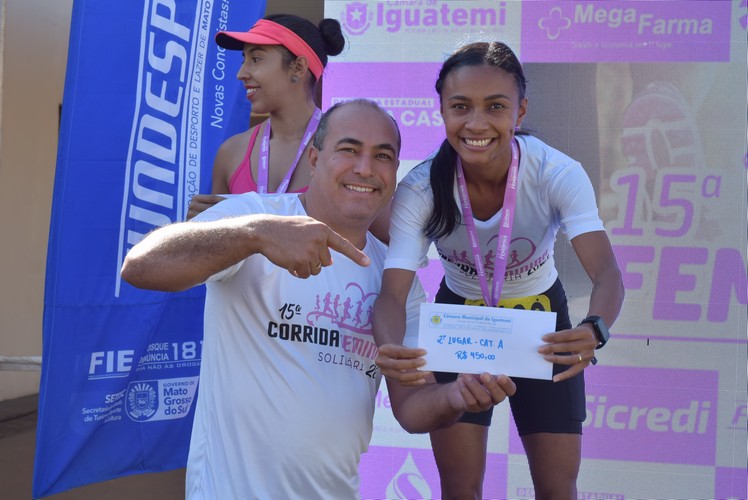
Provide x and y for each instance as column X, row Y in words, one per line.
column 601, row 330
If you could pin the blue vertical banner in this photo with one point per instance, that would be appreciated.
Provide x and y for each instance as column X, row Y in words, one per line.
column 149, row 97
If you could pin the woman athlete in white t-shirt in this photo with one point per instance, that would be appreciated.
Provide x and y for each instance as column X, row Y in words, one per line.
column 493, row 203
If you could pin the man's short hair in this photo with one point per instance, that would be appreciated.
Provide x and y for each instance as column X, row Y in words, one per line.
column 321, row 134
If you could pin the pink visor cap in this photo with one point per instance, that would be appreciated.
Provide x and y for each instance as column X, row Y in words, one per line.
column 266, row 32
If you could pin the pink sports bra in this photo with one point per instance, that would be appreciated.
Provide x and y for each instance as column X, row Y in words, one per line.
column 242, row 180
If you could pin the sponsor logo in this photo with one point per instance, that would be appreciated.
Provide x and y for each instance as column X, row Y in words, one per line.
column 555, row 23
column 422, row 15
column 141, row 401
column 408, row 482
column 110, row 411
column 395, row 472
column 408, row 111
column 639, row 21
column 591, row 31
column 166, row 399
column 163, row 159
column 356, row 18
column 110, row 364
column 649, row 415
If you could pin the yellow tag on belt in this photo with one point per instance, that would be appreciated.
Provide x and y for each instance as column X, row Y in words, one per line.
column 532, row 303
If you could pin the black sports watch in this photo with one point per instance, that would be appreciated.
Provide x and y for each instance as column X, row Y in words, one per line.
column 601, row 330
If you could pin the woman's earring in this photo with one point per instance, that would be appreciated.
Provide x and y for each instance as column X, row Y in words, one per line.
column 294, row 79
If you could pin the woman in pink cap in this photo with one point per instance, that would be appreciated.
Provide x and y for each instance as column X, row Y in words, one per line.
column 284, row 56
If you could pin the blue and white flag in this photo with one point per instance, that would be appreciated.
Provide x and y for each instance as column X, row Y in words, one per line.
column 148, row 99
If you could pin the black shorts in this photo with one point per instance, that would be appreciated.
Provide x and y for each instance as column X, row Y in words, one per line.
column 538, row 405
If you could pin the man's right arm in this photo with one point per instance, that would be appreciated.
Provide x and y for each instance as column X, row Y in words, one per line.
column 179, row 256
column 182, row 255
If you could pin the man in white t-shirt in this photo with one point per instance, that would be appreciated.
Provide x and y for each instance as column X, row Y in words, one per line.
column 288, row 379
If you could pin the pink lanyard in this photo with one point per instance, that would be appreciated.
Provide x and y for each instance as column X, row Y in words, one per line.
column 262, row 169
column 505, row 229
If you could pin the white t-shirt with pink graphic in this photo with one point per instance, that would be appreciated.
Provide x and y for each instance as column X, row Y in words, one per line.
column 288, row 380
column 553, row 192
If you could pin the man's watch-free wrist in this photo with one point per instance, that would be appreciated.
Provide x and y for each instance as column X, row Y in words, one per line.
column 601, row 330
